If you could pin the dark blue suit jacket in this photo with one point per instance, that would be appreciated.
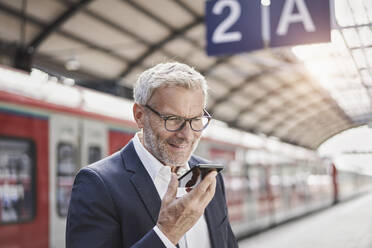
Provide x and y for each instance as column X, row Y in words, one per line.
column 114, row 203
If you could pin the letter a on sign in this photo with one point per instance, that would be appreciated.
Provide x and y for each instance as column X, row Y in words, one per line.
column 294, row 22
column 288, row 16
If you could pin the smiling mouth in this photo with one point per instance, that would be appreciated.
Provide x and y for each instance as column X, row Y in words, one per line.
column 179, row 146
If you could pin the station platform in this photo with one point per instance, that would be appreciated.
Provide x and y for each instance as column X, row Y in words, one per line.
column 346, row 225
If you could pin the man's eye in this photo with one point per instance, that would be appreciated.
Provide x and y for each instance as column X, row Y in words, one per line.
column 175, row 119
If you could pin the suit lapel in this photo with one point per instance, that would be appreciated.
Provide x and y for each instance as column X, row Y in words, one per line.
column 211, row 223
column 142, row 181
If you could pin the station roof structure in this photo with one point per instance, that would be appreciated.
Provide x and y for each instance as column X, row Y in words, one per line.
column 302, row 95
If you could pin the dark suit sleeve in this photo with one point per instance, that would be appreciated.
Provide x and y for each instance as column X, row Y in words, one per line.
column 232, row 242
column 92, row 219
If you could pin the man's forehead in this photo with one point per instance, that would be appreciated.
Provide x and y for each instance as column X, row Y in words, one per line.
column 185, row 103
column 175, row 92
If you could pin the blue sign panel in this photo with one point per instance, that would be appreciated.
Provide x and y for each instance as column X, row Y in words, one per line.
column 233, row 26
column 294, row 22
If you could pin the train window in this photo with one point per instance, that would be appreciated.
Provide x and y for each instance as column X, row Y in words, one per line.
column 66, row 169
column 94, row 154
column 17, row 180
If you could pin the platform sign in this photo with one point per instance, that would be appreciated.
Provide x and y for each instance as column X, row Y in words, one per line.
column 294, row 22
column 233, row 26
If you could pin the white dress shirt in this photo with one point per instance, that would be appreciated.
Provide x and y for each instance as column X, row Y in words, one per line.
column 198, row 235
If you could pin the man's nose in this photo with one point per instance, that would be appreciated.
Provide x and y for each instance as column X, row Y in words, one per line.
column 186, row 131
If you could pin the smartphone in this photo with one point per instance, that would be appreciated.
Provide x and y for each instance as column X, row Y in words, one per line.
column 193, row 177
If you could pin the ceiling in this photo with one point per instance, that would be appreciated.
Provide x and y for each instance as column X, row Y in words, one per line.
column 301, row 95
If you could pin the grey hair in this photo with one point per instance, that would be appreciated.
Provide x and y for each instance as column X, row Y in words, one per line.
column 168, row 74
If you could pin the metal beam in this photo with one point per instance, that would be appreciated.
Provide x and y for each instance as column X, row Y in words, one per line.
column 306, row 107
column 334, row 134
column 187, row 8
column 238, row 87
column 141, row 40
column 219, row 61
column 56, row 24
column 364, row 84
column 285, row 105
column 360, row 47
column 328, row 98
column 309, row 123
column 292, row 102
column 153, row 48
column 7, row 49
column 125, row 31
column 295, row 143
column 279, row 108
column 48, row 64
column 148, row 13
column 271, row 93
column 115, row 26
column 235, row 123
column 334, row 129
column 83, row 78
column 56, row 68
column 11, row 11
column 89, row 44
column 282, row 137
column 305, row 137
column 279, row 125
column 321, row 136
column 353, row 26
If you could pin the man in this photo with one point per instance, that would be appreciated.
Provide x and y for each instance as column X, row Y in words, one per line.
column 131, row 198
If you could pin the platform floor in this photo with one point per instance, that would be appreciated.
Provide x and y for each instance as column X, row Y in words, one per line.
column 346, row 225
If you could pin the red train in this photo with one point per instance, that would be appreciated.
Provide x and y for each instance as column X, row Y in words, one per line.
column 49, row 130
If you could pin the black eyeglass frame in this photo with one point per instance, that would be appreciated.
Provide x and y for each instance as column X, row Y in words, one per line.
column 167, row 117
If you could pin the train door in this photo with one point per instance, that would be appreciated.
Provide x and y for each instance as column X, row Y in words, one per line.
column 118, row 139
column 23, row 179
column 94, row 142
column 64, row 163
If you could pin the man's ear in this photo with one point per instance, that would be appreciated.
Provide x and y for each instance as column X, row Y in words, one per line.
column 139, row 115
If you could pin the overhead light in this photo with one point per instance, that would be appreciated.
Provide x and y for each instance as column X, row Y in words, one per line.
column 72, row 64
column 265, row 2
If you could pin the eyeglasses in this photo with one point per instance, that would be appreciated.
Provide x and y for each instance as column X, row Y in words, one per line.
column 173, row 123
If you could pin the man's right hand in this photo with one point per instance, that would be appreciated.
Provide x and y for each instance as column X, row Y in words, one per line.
column 178, row 215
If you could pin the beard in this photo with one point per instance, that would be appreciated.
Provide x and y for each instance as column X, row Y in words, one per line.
column 159, row 148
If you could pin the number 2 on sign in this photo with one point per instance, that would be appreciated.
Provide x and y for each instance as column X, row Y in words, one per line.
column 220, row 35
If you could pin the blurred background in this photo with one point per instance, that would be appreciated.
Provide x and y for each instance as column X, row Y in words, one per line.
column 290, row 95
